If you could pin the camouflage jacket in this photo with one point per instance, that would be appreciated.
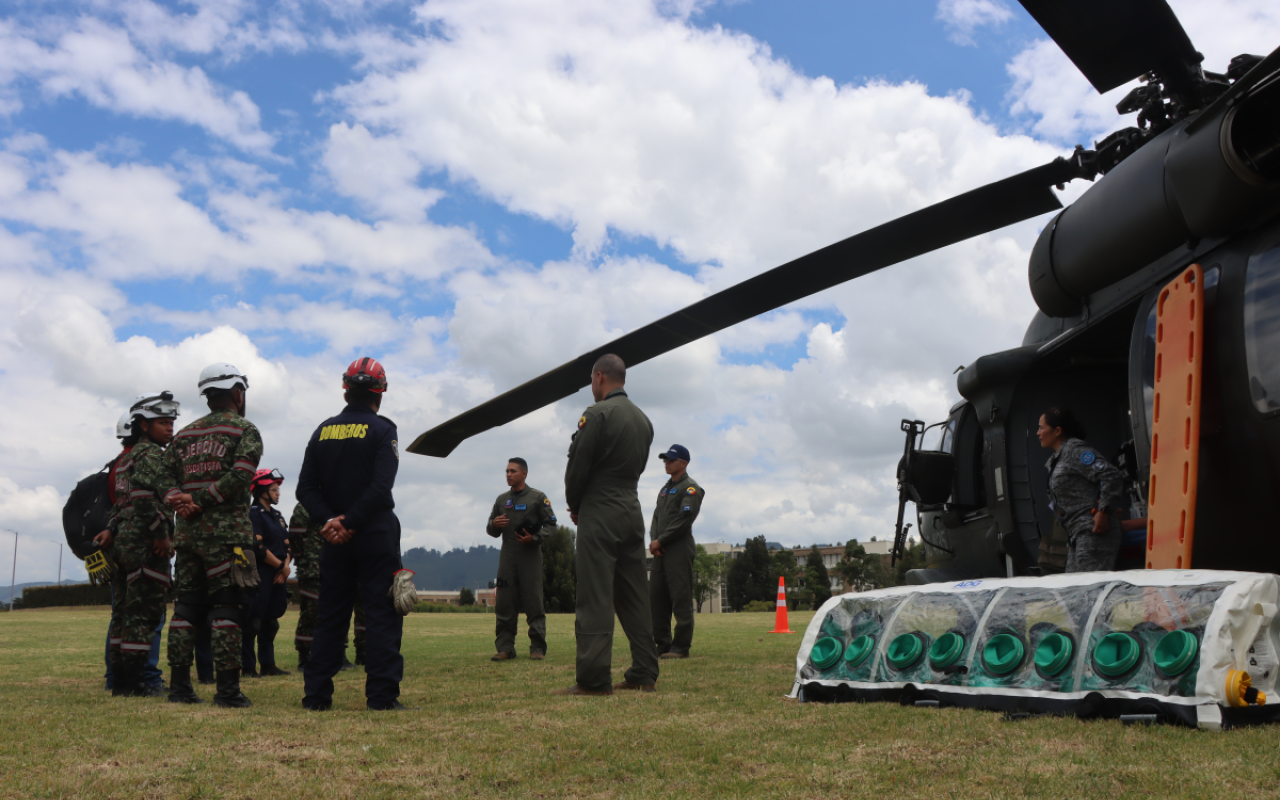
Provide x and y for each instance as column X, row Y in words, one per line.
column 1080, row 479
column 118, row 490
column 214, row 459
column 304, row 544
column 149, row 482
column 678, row 505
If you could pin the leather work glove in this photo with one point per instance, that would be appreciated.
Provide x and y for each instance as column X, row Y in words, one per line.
column 98, row 567
column 403, row 593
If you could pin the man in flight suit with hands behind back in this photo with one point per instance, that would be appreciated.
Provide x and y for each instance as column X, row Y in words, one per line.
column 673, row 548
column 345, row 484
column 606, row 458
column 522, row 516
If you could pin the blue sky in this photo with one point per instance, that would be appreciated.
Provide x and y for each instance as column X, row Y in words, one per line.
column 476, row 191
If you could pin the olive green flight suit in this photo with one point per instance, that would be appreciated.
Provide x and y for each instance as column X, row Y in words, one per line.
column 671, row 579
column 606, row 458
column 520, row 567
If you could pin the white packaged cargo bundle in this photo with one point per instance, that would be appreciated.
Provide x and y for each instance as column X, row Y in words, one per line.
column 1197, row 647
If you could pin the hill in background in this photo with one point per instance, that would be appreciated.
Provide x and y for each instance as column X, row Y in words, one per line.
column 454, row 569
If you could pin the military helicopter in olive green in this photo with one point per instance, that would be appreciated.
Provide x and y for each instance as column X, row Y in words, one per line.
column 1195, row 181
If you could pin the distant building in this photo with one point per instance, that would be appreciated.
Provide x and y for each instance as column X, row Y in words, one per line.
column 484, row 597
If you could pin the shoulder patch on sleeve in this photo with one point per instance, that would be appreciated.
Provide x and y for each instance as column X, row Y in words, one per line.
column 546, row 501
column 582, row 420
column 395, row 448
column 1100, row 465
column 691, row 490
column 1088, row 457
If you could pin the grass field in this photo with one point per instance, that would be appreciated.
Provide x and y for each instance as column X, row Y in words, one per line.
column 717, row 727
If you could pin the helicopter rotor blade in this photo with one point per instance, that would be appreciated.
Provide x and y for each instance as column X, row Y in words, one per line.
column 982, row 210
column 1114, row 42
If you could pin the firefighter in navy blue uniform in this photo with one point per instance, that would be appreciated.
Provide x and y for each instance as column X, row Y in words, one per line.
column 271, row 545
column 346, row 480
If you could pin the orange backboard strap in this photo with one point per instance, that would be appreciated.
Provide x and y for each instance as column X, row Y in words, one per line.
column 1175, row 428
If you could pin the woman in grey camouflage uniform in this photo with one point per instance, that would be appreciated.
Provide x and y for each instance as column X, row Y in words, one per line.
column 1086, row 493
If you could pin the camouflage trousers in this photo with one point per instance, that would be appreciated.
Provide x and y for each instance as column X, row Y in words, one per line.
column 206, row 595
column 309, row 613
column 146, row 585
column 119, row 588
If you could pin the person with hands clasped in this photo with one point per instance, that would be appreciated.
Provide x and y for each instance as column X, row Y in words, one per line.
column 144, row 544
column 347, row 476
column 213, row 460
column 271, row 547
column 673, row 548
column 523, row 518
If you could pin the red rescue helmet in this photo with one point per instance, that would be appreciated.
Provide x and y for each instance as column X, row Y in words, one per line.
column 264, row 478
column 365, row 373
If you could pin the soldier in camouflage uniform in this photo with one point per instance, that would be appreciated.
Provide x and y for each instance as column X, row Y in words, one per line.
column 304, row 545
column 143, row 544
column 214, row 458
column 118, row 490
column 1085, row 491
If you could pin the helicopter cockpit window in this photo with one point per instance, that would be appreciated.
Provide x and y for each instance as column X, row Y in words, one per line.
column 1149, row 347
column 1262, row 329
column 939, row 437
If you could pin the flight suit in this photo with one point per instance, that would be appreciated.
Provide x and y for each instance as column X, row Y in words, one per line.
column 305, row 543
column 519, row 581
column 214, row 458
column 671, row 579
column 606, row 458
column 146, row 574
column 350, row 468
column 1080, row 479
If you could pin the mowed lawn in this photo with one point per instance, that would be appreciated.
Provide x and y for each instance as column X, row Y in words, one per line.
column 718, row 727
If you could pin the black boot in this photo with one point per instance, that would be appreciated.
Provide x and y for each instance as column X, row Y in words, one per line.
column 126, row 681
column 360, row 654
column 229, row 694
column 346, row 665
column 304, row 653
column 180, row 688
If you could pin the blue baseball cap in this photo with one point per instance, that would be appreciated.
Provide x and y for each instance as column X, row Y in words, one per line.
column 677, row 452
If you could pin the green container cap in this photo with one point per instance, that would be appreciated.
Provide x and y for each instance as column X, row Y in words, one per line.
column 858, row 650
column 826, row 651
column 1003, row 653
column 946, row 650
column 904, row 651
column 1053, row 654
column 1176, row 651
column 1116, row 654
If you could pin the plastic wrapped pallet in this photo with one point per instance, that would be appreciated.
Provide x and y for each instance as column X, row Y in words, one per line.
column 1196, row 647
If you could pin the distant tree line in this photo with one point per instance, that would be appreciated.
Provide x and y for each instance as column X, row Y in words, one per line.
column 753, row 576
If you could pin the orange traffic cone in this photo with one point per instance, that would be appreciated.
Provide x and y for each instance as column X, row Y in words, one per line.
column 780, row 624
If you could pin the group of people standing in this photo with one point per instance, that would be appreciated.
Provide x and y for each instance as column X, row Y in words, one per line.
column 200, row 493
column 189, row 493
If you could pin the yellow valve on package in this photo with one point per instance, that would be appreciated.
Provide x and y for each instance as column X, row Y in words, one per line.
column 1240, row 691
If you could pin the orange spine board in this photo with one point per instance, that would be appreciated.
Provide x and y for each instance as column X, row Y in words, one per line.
column 1175, row 429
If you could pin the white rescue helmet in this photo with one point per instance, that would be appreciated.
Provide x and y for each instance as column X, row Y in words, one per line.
column 155, row 405
column 124, row 425
column 221, row 376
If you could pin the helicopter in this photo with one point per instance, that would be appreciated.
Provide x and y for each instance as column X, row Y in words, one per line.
column 1189, row 193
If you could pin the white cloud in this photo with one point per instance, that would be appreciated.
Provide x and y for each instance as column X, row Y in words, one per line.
column 101, row 64
column 1062, row 105
column 963, row 17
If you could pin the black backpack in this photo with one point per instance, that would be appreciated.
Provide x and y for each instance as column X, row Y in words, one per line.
column 87, row 510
